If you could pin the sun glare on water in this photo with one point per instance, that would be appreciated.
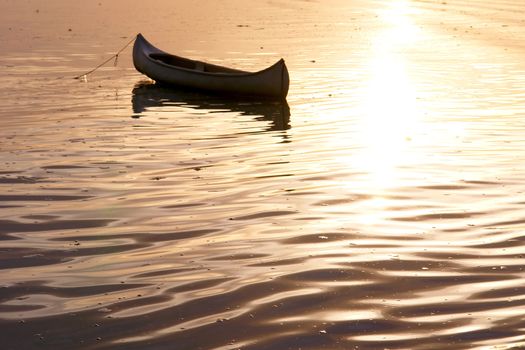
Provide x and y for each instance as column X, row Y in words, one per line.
column 390, row 116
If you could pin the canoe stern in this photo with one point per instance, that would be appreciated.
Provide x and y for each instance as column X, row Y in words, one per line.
column 285, row 79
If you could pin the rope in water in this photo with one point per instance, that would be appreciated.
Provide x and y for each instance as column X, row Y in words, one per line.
column 115, row 56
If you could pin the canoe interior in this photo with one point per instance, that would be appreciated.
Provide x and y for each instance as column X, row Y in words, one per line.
column 181, row 62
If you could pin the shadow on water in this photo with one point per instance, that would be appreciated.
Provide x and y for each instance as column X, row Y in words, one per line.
column 148, row 95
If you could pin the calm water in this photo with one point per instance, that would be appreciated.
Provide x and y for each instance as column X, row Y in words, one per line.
column 381, row 206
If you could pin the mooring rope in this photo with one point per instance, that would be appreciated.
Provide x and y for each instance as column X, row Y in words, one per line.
column 115, row 56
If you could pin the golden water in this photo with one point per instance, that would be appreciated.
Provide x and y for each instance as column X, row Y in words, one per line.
column 381, row 207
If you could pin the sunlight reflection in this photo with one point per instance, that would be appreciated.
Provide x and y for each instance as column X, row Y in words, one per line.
column 390, row 116
column 403, row 30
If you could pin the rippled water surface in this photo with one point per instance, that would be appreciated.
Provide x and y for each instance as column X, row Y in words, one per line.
column 380, row 207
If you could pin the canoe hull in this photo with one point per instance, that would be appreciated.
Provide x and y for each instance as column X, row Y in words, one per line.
column 156, row 64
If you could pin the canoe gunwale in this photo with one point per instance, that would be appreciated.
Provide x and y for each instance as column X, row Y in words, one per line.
column 218, row 74
column 156, row 50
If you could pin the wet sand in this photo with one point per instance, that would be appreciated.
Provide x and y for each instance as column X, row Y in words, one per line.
column 380, row 207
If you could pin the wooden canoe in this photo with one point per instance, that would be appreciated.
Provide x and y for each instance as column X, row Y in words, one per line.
column 178, row 71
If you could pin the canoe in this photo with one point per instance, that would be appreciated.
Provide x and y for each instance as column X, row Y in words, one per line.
column 168, row 69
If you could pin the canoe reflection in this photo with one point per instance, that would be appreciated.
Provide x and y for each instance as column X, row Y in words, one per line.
column 148, row 95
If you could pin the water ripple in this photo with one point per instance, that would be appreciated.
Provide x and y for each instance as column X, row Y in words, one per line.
column 380, row 206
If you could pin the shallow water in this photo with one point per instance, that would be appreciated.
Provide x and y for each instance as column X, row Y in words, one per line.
column 381, row 206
